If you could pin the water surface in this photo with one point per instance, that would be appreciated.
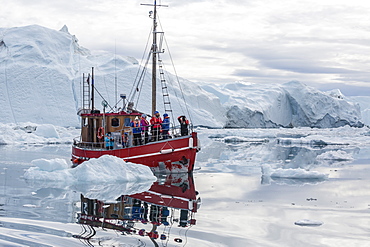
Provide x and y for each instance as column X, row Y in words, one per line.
column 240, row 204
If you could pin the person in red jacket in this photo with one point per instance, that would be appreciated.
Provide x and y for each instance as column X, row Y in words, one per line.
column 156, row 122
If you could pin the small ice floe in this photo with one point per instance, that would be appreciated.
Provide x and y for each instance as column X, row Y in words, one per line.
column 338, row 155
column 29, row 206
column 306, row 222
column 47, row 131
column 104, row 169
column 239, row 139
column 290, row 173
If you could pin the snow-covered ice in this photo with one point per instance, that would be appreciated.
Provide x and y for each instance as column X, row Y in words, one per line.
column 105, row 169
column 106, row 177
column 31, row 133
column 41, row 74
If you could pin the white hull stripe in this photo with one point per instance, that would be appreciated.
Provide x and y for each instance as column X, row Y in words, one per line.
column 144, row 155
column 186, row 200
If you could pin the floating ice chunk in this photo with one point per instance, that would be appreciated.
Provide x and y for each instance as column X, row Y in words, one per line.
column 50, row 165
column 306, row 222
column 298, row 174
column 101, row 170
column 237, row 139
column 47, row 131
column 339, row 155
column 291, row 173
column 111, row 168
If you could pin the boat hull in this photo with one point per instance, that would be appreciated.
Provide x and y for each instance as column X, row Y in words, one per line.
column 175, row 155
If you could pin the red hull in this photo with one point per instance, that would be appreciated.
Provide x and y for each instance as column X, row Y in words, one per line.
column 171, row 155
column 177, row 191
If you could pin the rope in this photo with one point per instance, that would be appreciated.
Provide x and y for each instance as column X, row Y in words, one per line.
column 8, row 53
column 133, row 91
column 142, row 76
column 177, row 78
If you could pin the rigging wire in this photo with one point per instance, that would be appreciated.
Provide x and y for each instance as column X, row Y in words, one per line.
column 6, row 59
column 96, row 90
column 177, row 78
column 142, row 76
column 132, row 93
column 168, row 79
column 115, row 72
column 106, row 89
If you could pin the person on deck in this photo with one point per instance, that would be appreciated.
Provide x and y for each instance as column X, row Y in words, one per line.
column 125, row 140
column 108, row 141
column 165, row 126
column 184, row 123
column 136, row 130
column 145, row 127
column 155, row 122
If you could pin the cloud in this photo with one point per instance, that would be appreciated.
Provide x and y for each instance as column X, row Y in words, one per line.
column 313, row 41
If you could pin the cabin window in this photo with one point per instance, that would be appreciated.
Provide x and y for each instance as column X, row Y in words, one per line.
column 84, row 122
column 115, row 122
column 127, row 122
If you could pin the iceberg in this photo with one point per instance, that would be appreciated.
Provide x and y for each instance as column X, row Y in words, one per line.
column 41, row 82
column 106, row 169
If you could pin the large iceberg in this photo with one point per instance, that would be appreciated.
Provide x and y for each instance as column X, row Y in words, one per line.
column 41, row 76
column 292, row 104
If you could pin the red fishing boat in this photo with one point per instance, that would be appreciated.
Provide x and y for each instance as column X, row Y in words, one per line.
column 155, row 215
column 163, row 146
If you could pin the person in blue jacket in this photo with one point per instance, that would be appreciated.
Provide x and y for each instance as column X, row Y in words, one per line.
column 108, row 141
column 136, row 130
column 165, row 126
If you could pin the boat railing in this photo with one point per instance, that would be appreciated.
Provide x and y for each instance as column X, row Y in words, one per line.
column 125, row 140
column 88, row 145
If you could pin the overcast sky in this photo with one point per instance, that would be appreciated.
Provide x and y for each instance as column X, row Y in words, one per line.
column 322, row 43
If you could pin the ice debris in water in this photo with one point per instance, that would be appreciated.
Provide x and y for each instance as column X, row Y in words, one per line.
column 306, row 222
column 339, row 155
column 297, row 173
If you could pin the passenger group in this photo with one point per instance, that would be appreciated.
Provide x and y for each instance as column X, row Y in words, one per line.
column 140, row 130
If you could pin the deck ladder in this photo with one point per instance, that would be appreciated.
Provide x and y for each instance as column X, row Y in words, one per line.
column 86, row 93
column 166, row 96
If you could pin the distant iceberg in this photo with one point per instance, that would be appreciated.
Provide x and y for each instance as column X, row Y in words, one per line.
column 292, row 104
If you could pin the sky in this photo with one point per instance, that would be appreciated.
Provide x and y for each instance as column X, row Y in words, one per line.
column 321, row 43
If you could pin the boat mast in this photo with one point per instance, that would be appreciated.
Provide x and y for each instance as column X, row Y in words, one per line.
column 154, row 61
column 92, row 89
column 154, row 54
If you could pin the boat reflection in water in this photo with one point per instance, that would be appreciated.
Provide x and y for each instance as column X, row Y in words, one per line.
column 154, row 216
